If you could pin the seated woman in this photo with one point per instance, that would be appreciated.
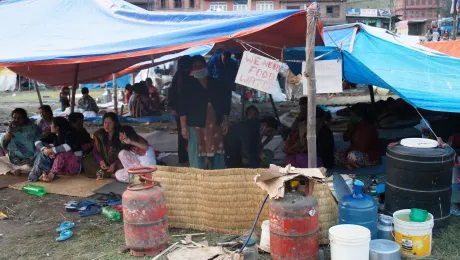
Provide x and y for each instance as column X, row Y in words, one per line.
column 60, row 153
column 18, row 142
column 44, row 124
column 365, row 148
column 142, row 105
column 136, row 153
column 106, row 146
column 76, row 122
column 296, row 148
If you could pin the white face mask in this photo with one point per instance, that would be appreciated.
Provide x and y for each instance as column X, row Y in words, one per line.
column 200, row 74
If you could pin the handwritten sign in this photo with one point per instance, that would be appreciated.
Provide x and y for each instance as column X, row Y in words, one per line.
column 258, row 72
column 328, row 74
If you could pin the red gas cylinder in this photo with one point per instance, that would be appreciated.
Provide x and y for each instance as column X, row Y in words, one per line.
column 294, row 226
column 144, row 215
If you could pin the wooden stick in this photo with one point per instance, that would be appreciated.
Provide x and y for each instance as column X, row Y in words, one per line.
column 195, row 234
column 275, row 110
column 74, row 88
column 165, row 251
column 38, row 93
column 311, row 87
column 115, row 99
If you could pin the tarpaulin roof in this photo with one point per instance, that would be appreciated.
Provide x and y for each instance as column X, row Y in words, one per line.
column 451, row 48
column 107, row 36
column 423, row 77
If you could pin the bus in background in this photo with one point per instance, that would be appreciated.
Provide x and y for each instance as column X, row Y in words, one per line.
column 448, row 23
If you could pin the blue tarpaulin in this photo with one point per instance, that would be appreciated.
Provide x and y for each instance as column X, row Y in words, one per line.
column 424, row 78
column 121, row 83
column 44, row 40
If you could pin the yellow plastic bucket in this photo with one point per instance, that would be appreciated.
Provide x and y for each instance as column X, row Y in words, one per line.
column 414, row 238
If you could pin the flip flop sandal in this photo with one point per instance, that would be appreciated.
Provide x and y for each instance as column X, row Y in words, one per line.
column 91, row 210
column 66, row 225
column 79, row 206
column 64, row 235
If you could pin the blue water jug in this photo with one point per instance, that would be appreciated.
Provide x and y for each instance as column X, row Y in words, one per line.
column 359, row 209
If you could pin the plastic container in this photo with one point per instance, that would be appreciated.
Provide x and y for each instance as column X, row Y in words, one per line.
column 349, row 242
column 330, row 183
column 382, row 249
column 107, row 96
column 111, row 213
column 414, row 238
column 265, row 236
column 34, row 190
column 359, row 209
column 385, row 227
column 250, row 252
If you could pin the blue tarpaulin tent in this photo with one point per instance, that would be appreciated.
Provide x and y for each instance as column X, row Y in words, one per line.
column 44, row 40
column 424, row 78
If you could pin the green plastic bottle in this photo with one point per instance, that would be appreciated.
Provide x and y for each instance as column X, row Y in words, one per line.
column 111, row 213
column 34, row 190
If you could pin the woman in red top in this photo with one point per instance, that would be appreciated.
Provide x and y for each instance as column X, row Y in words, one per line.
column 137, row 152
column 365, row 147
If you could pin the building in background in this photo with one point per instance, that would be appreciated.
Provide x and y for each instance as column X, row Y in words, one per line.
column 419, row 10
column 371, row 4
column 332, row 11
column 241, row 5
column 373, row 17
column 169, row 5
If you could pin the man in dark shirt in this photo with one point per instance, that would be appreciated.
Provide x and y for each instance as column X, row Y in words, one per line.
column 243, row 142
column 223, row 67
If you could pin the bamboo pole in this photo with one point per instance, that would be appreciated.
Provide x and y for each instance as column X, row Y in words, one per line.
column 74, row 88
column 311, row 87
column 455, row 16
column 115, row 94
column 38, row 93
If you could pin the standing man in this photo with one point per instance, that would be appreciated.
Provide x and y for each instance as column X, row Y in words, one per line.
column 223, row 67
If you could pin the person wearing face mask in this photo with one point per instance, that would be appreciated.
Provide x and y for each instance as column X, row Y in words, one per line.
column 365, row 148
column 180, row 81
column 204, row 107
column 296, row 147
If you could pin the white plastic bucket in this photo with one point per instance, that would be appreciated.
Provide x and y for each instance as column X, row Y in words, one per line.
column 414, row 238
column 265, row 236
column 349, row 242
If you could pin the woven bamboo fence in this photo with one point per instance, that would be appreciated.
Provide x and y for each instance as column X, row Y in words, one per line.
column 226, row 201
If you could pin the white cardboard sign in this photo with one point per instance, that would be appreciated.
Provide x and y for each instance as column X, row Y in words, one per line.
column 328, row 74
column 258, row 72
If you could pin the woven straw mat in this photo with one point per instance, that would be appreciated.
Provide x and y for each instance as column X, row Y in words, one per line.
column 226, row 201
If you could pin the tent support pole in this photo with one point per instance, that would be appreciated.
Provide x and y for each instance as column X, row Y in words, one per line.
column 371, row 93
column 132, row 79
column 243, row 102
column 274, row 107
column 311, row 87
column 115, row 94
column 38, row 93
column 74, row 88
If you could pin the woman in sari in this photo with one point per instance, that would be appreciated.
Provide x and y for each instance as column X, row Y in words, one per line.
column 365, row 147
column 142, row 105
column 60, row 153
column 136, row 152
column 204, row 107
column 106, row 147
column 18, row 142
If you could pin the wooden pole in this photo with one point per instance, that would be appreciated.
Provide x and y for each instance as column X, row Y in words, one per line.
column 132, row 79
column 311, row 87
column 74, row 88
column 455, row 16
column 38, row 93
column 115, row 94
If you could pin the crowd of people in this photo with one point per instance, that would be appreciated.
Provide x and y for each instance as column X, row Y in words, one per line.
column 436, row 35
column 200, row 99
